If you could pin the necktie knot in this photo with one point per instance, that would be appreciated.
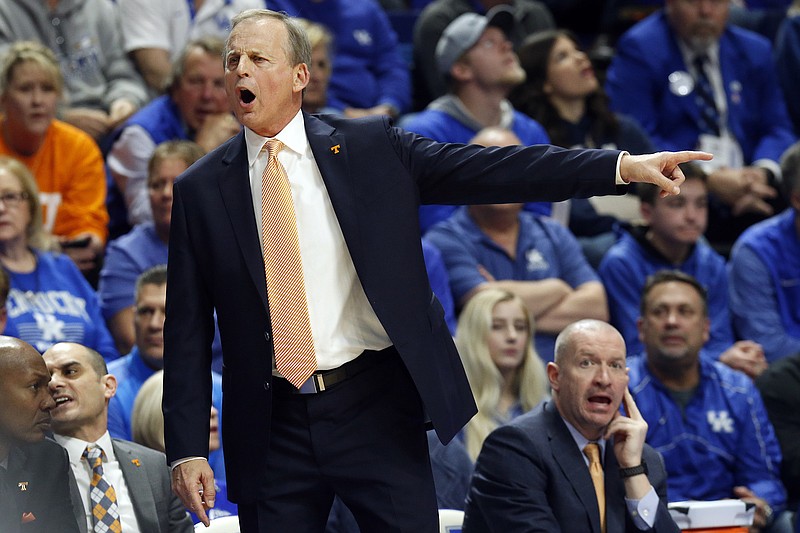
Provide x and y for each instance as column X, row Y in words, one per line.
column 592, row 451
column 273, row 146
column 700, row 62
column 94, row 454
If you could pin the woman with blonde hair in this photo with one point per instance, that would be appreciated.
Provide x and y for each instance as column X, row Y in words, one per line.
column 65, row 161
column 49, row 300
column 494, row 337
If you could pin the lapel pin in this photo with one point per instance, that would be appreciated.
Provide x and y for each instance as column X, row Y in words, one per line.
column 335, row 148
column 23, row 485
column 136, row 462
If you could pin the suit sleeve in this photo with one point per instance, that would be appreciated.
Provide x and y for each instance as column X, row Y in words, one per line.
column 188, row 334
column 509, row 487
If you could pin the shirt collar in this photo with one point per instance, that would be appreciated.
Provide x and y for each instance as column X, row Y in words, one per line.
column 75, row 447
column 582, row 441
column 712, row 53
column 293, row 136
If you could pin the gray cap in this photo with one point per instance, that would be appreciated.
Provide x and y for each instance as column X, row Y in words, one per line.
column 462, row 34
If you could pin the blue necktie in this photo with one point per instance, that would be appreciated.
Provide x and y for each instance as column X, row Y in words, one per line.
column 704, row 98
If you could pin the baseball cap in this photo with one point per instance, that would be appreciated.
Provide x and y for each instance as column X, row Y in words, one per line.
column 462, row 34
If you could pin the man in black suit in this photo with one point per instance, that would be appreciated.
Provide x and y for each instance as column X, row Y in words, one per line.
column 34, row 482
column 383, row 359
column 534, row 473
column 81, row 388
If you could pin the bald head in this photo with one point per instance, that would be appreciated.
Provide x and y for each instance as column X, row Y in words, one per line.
column 495, row 136
column 25, row 413
column 566, row 340
column 17, row 354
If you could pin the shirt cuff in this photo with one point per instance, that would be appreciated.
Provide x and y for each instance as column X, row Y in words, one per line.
column 643, row 512
column 185, row 460
column 771, row 166
column 619, row 179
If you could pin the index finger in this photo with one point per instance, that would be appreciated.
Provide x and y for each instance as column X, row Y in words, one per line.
column 691, row 155
column 631, row 409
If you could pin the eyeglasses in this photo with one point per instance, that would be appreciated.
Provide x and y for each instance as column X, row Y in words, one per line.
column 13, row 199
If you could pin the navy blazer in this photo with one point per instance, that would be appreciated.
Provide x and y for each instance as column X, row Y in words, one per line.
column 638, row 83
column 376, row 176
column 530, row 476
column 38, row 479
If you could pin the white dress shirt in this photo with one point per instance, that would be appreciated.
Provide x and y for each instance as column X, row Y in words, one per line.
column 343, row 323
column 112, row 473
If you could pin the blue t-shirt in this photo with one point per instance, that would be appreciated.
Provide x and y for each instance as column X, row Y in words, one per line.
column 545, row 249
column 55, row 303
column 126, row 258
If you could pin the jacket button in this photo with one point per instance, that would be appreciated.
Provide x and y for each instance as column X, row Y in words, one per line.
column 266, row 336
column 266, row 385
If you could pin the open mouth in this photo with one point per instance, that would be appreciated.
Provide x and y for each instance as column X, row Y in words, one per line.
column 246, row 96
column 603, row 400
column 61, row 400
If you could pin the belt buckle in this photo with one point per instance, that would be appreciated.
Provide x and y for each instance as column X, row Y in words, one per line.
column 314, row 384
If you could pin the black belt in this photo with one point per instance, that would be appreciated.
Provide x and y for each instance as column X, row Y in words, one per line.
column 323, row 380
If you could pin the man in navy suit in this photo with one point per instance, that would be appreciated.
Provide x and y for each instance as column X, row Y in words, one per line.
column 34, row 478
column 385, row 360
column 693, row 81
column 533, row 475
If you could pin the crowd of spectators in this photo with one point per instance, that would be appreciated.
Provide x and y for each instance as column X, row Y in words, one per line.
column 103, row 104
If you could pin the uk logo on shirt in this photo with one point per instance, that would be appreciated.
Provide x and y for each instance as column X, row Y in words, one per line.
column 720, row 421
column 534, row 260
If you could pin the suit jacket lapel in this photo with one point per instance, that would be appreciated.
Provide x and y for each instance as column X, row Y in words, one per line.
column 77, row 502
column 570, row 460
column 678, row 65
column 234, row 186
column 139, row 490
column 11, row 511
column 331, row 155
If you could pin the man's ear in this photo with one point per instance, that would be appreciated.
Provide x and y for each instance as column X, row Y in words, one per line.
column 461, row 71
column 639, row 327
column 110, row 384
column 301, row 76
column 552, row 375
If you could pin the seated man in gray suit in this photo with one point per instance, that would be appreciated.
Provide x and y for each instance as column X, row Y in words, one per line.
column 134, row 479
column 575, row 463
column 34, row 481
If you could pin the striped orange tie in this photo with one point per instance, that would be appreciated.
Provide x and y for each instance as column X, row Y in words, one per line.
column 288, row 308
column 592, row 451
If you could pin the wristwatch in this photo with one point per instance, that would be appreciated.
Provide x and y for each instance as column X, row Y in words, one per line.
column 633, row 471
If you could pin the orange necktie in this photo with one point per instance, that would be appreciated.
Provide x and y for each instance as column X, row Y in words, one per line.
column 592, row 451
column 283, row 266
